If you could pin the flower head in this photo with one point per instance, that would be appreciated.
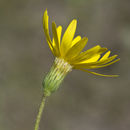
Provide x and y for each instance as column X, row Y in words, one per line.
column 69, row 49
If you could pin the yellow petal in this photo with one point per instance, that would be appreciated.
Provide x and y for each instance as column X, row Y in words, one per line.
column 101, row 66
column 45, row 25
column 93, row 59
column 77, row 39
column 87, row 53
column 99, row 74
column 86, row 65
column 76, row 49
column 56, row 40
column 59, row 31
column 107, row 60
column 93, row 49
column 102, row 50
column 68, row 36
column 84, row 56
column 46, row 30
column 105, row 56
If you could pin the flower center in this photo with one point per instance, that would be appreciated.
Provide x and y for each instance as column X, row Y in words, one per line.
column 63, row 65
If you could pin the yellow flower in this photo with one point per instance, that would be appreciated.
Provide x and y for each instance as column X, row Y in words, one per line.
column 69, row 55
column 69, row 49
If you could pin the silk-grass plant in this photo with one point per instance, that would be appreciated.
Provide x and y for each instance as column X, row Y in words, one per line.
column 68, row 56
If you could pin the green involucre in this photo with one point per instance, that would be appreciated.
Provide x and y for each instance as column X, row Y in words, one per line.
column 55, row 76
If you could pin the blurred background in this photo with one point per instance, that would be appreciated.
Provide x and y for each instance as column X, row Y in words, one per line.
column 84, row 101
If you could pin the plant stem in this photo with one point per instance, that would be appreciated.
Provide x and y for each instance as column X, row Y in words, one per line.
column 40, row 113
